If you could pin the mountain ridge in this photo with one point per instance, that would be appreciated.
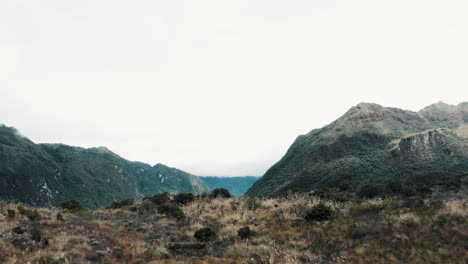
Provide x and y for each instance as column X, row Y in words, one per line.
column 46, row 174
column 356, row 148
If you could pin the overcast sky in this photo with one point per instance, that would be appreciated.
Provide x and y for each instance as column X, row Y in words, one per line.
column 219, row 87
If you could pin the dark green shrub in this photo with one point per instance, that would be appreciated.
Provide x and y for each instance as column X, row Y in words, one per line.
column 220, row 193
column 72, row 205
column 171, row 210
column 368, row 191
column 159, row 199
column 321, row 193
column 11, row 214
column 205, row 234
column 32, row 214
column 423, row 190
column 319, row 213
column 395, row 187
column 245, row 232
column 365, row 210
column 121, row 204
column 36, row 234
column 184, row 198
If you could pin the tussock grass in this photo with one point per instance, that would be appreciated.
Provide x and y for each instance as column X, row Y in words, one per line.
column 358, row 231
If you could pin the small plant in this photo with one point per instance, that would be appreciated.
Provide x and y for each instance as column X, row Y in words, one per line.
column 365, row 210
column 319, row 213
column 368, row 191
column 160, row 198
column 72, row 206
column 11, row 214
column 221, row 193
column 252, row 203
column 121, row 204
column 395, row 187
column 205, row 234
column 183, row 198
column 33, row 215
column 245, row 232
column 171, row 210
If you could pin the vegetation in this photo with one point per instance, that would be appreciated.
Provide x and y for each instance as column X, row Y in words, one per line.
column 121, row 204
column 373, row 144
column 237, row 186
column 245, row 232
column 319, row 212
column 205, row 234
column 72, row 206
column 220, row 193
column 423, row 228
column 48, row 174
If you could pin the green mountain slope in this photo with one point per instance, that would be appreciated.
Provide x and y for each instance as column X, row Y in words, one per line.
column 46, row 174
column 235, row 185
column 371, row 143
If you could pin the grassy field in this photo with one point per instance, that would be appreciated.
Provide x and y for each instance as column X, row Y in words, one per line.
column 398, row 229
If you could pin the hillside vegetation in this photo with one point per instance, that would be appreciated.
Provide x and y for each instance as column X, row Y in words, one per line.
column 375, row 144
column 47, row 174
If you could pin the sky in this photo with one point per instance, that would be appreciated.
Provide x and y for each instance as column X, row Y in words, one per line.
column 219, row 87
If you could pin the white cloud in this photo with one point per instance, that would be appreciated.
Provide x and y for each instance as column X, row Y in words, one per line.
column 219, row 87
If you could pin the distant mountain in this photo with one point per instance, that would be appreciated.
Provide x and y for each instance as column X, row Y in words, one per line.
column 235, row 185
column 375, row 144
column 46, row 174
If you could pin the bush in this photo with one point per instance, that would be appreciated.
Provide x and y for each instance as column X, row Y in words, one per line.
column 72, row 205
column 159, row 199
column 252, row 203
column 184, row 198
column 33, row 215
column 11, row 214
column 319, row 213
column 220, row 193
column 395, row 187
column 368, row 191
column 365, row 209
column 205, row 234
column 171, row 210
column 121, row 204
column 245, row 232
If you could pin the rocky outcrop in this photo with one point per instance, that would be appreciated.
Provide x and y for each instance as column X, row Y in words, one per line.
column 420, row 145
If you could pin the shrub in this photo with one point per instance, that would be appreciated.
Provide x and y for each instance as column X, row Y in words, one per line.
column 33, row 215
column 220, row 193
column 252, row 203
column 121, row 204
column 36, row 234
column 319, row 213
column 11, row 214
column 158, row 199
column 72, row 205
column 395, row 187
column 205, row 234
column 365, row 209
column 171, row 210
column 368, row 191
column 184, row 198
column 245, row 232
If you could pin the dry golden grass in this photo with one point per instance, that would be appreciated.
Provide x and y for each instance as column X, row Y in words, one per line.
column 367, row 231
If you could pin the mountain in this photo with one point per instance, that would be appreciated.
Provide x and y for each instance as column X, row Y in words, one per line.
column 375, row 144
column 47, row 174
column 235, row 185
